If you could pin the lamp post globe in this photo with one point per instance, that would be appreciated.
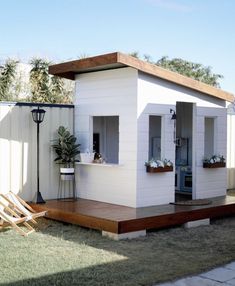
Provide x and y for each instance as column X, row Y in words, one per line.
column 38, row 115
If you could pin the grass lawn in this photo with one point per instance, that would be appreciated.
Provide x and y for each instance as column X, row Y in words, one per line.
column 61, row 254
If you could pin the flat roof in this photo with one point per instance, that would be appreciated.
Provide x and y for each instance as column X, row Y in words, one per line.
column 118, row 60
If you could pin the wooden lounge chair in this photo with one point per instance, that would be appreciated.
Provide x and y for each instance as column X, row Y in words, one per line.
column 21, row 207
column 9, row 217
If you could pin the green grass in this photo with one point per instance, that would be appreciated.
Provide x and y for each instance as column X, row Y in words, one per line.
column 60, row 254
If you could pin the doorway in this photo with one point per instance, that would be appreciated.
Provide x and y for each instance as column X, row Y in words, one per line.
column 183, row 151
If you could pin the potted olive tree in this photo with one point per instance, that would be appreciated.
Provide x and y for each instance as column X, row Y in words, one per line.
column 66, row 150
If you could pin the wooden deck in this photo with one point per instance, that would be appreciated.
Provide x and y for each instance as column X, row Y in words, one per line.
column 120, row 219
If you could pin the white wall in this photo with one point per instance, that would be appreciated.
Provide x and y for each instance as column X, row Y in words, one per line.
column 231, row 147
column 157, row 97
column 210, row 182
column 134, row 96
column 160, row 91
column 108, row 93
column 154, row 188
column 18, row 149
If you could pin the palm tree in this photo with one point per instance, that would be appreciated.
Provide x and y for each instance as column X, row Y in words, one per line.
column 7, row 75
column 39, row 80
column 44, row 87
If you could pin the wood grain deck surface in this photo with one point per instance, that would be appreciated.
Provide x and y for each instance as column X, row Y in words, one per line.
column 121, row 219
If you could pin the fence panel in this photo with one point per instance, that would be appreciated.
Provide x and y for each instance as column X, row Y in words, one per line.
column 18, row 139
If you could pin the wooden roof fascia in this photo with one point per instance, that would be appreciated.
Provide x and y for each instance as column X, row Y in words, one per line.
column 70, row 69
column 174, row 77
column 113, row 60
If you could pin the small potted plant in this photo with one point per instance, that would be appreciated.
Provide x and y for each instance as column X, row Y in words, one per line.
column 215, row 161
column 66, row 150
column 157, row 166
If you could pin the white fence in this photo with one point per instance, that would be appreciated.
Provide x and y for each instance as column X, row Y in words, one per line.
column 18, row 143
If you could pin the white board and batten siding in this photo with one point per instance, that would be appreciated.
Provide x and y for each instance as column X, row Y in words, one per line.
column 157, row 97
column 134, row 97
column 18, row 135
column 154, row 188
column 108, row 93
column 231, row 146
column 210, row 182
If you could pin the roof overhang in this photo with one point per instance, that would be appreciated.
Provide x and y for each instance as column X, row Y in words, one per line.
column 118, row 60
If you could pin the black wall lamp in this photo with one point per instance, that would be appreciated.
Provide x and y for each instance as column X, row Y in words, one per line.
column 173, row 117
column 38, row 117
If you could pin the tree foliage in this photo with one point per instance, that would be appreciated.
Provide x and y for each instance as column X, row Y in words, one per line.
column 7, row 75
column 44, row 87
column 52, row 89
column 20, row 84
column 193, row 70
column 190, row 69
column 39, row 81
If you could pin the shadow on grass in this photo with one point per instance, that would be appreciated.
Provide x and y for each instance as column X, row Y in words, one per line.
column 161, row 256
column 92, row 276
column 166, row 254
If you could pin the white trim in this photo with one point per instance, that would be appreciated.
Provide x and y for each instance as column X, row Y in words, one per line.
column 99, row 165
column 66, row 170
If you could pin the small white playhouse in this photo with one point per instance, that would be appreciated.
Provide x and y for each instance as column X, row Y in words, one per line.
column 131, row 111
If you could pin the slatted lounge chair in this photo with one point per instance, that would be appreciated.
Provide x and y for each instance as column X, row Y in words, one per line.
column 21, row 207
column 9, row 217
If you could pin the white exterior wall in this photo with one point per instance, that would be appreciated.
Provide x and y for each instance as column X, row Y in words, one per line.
column 210, row 182
column 231, row 150
column 18, row 135
column 155, row 188
column 160, row 91
column 157, row 97
column 134, row 96
column 108, row 93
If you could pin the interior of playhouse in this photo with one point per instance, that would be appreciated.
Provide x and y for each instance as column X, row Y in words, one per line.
column 106, row 137
column 183, row 148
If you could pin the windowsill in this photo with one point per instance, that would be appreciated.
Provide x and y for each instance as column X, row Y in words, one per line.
column 99, row 165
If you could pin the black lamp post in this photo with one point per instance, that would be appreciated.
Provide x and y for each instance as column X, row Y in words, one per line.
column 38, row 116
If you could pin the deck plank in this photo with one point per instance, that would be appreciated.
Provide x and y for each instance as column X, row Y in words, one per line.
column 121, row 219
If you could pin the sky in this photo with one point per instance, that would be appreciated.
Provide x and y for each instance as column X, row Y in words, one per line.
column 201, row 31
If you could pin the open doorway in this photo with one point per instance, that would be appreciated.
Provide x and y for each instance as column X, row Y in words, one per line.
column 183, row 156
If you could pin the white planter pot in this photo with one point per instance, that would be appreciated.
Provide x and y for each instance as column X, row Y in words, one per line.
column 66, row 174
column 87, row 157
